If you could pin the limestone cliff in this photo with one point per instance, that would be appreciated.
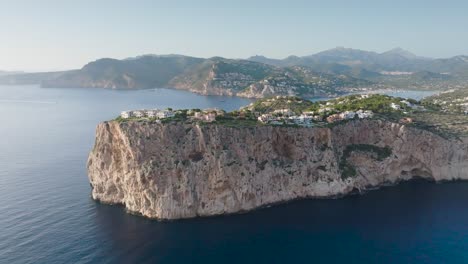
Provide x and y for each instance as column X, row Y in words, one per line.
column 171, row 171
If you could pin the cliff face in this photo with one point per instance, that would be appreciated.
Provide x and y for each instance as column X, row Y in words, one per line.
column 171, row 171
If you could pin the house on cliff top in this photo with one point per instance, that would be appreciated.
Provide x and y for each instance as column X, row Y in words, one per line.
column 126, row 114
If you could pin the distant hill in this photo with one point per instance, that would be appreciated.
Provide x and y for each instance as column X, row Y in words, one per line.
column 213, row 76
column 393, row 60
column 400, row 53
column 328, row 73
column 265, row 60
column 222, row 76
column 303, row 81
column 135, row 73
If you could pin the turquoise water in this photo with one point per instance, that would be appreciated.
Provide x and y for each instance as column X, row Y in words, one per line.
column 47, row 215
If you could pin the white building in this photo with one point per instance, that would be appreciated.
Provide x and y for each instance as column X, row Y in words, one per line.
column 165, row 114
column 126, row 114
column 152, row 113
column 364, row 114
column 395, row 106
column 207, row 117
column 265, row 118
column 302, row 120
column 139, row 113
column 413, row 106
column 348, row 115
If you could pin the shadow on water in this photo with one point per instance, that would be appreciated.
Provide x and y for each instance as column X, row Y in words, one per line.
column 384, row 226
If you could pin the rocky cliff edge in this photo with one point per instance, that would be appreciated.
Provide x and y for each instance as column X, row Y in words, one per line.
column 178, row 170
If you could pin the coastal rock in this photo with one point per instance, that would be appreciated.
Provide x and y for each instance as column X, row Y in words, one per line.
column 179, row 170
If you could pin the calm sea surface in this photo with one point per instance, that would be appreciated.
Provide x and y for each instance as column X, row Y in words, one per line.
column 47, row 215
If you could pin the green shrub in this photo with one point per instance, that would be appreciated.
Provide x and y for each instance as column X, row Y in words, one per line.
column 347, row 170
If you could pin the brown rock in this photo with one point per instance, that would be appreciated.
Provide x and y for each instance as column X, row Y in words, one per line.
column 171, row 171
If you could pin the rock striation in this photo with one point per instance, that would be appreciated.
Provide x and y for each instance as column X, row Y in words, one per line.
column 180, row 170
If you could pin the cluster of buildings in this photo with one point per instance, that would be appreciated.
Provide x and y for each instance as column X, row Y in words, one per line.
column 153, row 113
column 452, row 103
column 286, row 117
column 233, row 79
column 306, row 119
column 408, row 104
column 361, row 114
column 395, row 106
column 207, row 115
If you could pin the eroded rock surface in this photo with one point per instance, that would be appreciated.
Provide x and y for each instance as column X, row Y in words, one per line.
column 172, row 171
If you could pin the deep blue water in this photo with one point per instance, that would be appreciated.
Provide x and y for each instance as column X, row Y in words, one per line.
column 47, row 215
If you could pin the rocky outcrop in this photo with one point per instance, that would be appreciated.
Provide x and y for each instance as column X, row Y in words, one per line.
column 172, row 171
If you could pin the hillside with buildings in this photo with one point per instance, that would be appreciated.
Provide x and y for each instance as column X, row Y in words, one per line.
column 395, row 60
column 300, row 112
column 172, row 164
column 214, row 76
column 330, row 73
column 395, row 68
column 455, row 101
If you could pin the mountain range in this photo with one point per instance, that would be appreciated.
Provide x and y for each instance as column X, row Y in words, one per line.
column 398, row 59
column 328, row 73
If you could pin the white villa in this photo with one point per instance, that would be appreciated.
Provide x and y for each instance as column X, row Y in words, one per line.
column 266, row 118
column 302, row 120
column 165, row 114
column 153, row 113
column 207, row 117
column 348, row 115
column 364, row 114
column 395, row 106
column 126, row 114
column 139, row 113
column 413, row 106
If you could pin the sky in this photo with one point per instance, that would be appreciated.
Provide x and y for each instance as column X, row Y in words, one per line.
column 49, row 35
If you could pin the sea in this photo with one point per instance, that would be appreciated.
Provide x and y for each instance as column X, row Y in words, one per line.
column 47, row 214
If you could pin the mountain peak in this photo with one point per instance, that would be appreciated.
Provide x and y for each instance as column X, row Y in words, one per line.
column 341, row 48
column 258, row 56
column 344, row 50
column 401, row 52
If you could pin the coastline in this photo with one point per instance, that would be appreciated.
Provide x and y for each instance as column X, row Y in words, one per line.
column 216, row 193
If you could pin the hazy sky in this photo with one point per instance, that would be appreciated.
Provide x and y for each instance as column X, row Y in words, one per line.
column 66, row 34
